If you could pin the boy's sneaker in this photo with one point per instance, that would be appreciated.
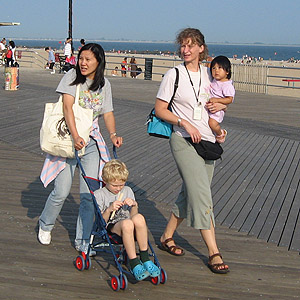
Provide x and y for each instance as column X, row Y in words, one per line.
column 53, row 72
column 44, row 237
column 139, row 272
column 153, row 270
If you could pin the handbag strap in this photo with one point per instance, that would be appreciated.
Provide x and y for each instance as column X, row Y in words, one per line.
column 175, row 87
column 77, row 94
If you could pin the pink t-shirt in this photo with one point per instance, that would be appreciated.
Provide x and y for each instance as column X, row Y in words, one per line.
column 220, row 89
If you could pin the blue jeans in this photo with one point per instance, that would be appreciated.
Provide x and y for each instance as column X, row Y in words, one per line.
column 62, row 185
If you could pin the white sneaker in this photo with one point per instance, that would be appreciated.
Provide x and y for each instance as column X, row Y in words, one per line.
column 44, row 237
column 92, row 253
column 53, row 72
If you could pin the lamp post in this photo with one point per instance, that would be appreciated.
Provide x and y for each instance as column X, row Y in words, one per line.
column 70, row 21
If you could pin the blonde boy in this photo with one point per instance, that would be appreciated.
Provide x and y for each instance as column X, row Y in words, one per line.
column 120, row 211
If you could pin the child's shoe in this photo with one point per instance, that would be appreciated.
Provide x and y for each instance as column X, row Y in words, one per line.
column 153, row 270
column 221, row 138
column 139, row 272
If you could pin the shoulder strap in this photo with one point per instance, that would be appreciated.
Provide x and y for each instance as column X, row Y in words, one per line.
column 175, row 86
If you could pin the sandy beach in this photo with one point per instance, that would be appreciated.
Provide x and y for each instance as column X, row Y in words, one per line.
column 267, row 77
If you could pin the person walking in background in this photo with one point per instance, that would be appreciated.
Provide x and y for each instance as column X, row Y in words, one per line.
column 133, row 67
column 95, row 93
column 68, row 48
column 10, row 54
column 70, row 62
column 221, row 91
column 124, row 67
column 190, row 120
column 51, row 59
column 2, row 50
column 82, row 43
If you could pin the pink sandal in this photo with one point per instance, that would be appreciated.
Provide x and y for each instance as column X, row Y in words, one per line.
column 221, row 138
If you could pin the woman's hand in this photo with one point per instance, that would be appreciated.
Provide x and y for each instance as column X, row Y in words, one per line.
column 192, row 131
column 79, row 143
column 116, row 140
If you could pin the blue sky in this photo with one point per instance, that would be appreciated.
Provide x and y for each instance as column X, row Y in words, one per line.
column 232, row 21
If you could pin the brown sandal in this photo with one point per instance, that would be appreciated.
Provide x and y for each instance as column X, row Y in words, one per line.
column 170, row 249
column 217, row 268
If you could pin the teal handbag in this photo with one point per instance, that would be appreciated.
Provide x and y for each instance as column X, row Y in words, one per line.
column 158, row 127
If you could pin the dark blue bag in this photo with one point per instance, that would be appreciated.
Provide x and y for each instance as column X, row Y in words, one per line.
column 158, row 127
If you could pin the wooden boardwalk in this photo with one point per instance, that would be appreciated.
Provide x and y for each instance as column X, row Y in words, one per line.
column 255, row 192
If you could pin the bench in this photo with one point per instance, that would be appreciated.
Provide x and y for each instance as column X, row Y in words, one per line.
column 291, row 80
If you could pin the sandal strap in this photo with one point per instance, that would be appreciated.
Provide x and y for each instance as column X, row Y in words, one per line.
column 175, row 247
column 168, row 240
column 214, row 255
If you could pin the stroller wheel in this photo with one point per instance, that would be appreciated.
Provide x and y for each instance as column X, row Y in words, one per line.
column 88, row 263
column 79, row 263
column 123, row 281
column 155, row 280
column 115, row 283
column 163, row 276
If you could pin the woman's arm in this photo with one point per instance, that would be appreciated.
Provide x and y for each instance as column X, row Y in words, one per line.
column 109, row 120
column 162, row 112
column 68, row 102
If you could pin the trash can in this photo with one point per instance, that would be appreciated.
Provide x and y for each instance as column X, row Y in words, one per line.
column 11, row 78
column 148, row 68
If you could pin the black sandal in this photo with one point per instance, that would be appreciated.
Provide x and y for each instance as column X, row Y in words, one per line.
column 170, row 249
column 217, row 268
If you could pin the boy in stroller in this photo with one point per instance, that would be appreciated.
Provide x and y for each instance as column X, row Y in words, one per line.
column 120, row 211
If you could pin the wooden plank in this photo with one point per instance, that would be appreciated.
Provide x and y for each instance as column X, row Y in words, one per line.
column 239, row 198
column 287, row 216
column 256, row 219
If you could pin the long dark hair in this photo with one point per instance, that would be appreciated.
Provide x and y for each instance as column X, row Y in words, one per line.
column 99, row 54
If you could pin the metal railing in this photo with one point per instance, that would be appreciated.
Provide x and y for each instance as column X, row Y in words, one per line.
column 256, row 78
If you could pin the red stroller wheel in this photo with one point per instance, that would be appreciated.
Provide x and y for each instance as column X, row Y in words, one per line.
column 155, row 280
column 79, row 263
column 115, row 283
column 123, row 281
column 163, row 276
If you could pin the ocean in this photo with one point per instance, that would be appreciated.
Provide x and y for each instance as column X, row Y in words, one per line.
column 267, row 52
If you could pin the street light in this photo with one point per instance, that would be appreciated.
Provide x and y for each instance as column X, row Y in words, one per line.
column 70, row 21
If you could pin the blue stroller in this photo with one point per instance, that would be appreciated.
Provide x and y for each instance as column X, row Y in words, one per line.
column 112, row 244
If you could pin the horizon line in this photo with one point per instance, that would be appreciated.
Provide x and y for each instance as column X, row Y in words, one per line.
column 154, row 41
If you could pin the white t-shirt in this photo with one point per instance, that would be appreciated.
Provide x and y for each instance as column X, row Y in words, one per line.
column 2, row 46
column 68, row 49
column 185, row 99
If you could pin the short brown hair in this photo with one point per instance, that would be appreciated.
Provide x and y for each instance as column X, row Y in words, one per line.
column 196, row 37
column 114, row 170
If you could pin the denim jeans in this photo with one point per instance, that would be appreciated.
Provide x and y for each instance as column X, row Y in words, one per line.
column 62, row 185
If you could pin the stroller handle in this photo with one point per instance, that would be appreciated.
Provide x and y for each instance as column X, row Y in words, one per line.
column 80, row 165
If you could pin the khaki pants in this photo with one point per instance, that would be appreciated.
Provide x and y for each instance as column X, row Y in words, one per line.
column 194, row 202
